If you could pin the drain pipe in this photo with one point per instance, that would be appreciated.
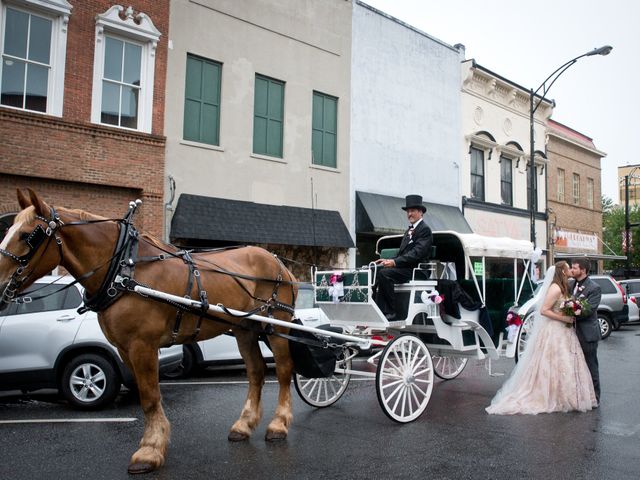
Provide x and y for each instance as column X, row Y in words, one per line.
column 168, row 207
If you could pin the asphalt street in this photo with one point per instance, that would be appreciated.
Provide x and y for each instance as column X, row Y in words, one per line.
column 352, row 439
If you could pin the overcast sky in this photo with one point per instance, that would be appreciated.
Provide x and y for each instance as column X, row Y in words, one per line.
column 526, row 41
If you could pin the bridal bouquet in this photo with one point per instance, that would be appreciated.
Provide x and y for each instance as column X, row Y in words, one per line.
column 575, row 306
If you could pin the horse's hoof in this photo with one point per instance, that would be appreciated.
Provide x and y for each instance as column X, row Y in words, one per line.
column 237, row 437
column 136, row 468
column 275, row 436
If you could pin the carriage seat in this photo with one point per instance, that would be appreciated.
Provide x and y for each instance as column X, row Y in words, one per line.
column 427, row 268
column 464, row 314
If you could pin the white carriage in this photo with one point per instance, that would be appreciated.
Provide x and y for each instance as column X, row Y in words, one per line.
column 426, row 340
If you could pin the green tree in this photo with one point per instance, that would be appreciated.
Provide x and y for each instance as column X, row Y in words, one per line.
column 613, row 233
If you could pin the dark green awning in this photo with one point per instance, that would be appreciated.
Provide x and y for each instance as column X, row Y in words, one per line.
column 383, row 215
column 219, row 219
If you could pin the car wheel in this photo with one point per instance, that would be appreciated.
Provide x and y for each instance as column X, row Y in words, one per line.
column 605, row 325
column 185, row 368
column 89, row 382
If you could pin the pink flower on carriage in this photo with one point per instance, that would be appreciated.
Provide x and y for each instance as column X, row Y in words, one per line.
column 513, row 319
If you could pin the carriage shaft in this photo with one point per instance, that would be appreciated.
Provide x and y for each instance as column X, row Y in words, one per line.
column 363, row 342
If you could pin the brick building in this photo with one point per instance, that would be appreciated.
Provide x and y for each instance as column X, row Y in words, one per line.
column 82, row 105
column 574, row 192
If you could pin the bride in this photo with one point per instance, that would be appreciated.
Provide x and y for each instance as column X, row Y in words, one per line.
column 552, row 375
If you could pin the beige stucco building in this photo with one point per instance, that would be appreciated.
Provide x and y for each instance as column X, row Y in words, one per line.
column 629, row 178
column 273, row 78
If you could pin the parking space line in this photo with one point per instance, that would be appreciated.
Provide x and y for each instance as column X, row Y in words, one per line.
column 70, row 420
column 244, row 382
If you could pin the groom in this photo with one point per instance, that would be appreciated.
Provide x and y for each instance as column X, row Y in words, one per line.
column 588, row 327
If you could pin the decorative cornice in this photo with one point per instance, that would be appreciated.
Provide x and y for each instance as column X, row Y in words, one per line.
column 557, row 134
column 128, row 22
column 57, row 7
column 492, row 87
column 480, row 141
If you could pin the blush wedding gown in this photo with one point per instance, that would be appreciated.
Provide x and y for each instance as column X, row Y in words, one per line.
column 552, row 375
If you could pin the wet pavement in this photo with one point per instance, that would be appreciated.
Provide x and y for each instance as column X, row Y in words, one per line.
column 352, row 439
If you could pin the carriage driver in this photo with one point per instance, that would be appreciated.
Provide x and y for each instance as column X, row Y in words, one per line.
column 414, row 249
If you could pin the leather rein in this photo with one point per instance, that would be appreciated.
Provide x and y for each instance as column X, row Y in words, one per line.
column 119, row 278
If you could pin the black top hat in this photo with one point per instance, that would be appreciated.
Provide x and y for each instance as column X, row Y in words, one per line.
column 414, row 201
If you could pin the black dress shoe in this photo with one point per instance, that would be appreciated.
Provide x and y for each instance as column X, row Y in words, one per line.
column 390, row 316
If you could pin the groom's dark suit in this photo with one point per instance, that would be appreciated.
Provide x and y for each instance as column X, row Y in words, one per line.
column 415, row 248
column 588, row 327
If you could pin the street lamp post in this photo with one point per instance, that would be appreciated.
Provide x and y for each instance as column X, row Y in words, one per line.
column 533, row 107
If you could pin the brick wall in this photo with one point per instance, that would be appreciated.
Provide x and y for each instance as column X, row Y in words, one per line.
column 574, row 159
column 77, row 164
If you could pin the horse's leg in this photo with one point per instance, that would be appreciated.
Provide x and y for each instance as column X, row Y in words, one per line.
column 279, row 426
column 256, row 368
column 143, row 359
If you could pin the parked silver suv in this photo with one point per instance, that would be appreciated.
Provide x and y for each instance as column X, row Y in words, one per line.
column 46, row 343
column 612, row 311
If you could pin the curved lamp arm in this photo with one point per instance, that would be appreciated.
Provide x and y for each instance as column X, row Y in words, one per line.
column 561, row 69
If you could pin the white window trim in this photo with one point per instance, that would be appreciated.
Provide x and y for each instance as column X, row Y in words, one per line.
column 590, row 192
column 487, row 150
column 560, row 187
column 140, row 29
column 58, row 11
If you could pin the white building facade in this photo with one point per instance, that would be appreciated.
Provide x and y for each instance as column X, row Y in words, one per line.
column 496, row 155
column 405, row 126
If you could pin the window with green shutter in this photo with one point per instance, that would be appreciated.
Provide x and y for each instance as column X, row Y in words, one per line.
column 324, row 133
column 202, row 101
column 268, row 116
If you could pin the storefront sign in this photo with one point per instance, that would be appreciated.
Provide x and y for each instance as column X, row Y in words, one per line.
column 577, row 241
column 477, row 269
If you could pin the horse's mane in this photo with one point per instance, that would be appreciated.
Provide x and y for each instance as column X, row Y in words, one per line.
column 26, row 215
column 154, row 241
column 84, row 215
column 29, row 214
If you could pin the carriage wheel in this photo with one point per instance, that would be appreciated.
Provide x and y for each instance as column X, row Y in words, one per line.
column 322, row 392
column 404, row 379
column 524, row 332
column 448, row 368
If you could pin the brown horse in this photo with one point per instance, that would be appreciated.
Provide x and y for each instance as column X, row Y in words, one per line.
column 244, row 279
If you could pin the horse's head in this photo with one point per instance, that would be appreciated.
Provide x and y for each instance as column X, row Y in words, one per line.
column 31, row 247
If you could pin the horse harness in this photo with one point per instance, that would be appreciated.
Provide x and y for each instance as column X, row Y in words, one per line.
column 119, row 278
column 34, row 240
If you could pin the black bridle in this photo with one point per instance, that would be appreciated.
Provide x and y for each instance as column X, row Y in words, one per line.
column 34, row 240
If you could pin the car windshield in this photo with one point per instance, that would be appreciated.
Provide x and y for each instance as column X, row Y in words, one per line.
column 305, row 298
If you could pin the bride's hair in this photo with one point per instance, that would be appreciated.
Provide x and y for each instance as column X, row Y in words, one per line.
column 560, row 278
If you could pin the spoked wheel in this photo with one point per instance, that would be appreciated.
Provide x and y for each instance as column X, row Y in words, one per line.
column 404, row 379
column 323, row 392
column 448, row 368
column 523, row 336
